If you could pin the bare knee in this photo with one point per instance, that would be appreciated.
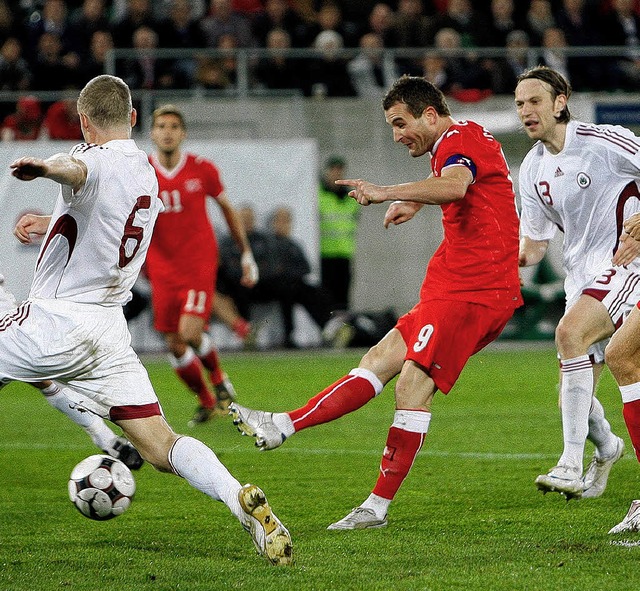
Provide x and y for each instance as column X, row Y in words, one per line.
column 567, row 339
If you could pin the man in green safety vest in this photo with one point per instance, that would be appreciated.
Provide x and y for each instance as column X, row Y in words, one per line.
column 338, row 225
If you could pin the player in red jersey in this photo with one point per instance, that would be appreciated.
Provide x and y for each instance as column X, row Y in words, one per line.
column 182, row 261
column 469, row 293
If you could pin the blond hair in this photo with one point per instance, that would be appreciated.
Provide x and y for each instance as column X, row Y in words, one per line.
column 169, row 110
column 106, row 101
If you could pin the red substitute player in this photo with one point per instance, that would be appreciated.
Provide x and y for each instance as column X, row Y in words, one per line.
column 182, row 262
column 469, row 293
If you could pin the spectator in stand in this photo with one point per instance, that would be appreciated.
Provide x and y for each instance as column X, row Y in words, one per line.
column 52, row 69
column 381, row 22
column 25, row 123
column 84, row 23
column 469, row 79
column 434, row 70
column 223, row 20
column 138, row 14
column 15, row 73
column 411, row 27
column 581, row 27
column 278, row 14
column 9, row 24
column 278, row 72
column 54, row 20
column 621, row 26
column 95, row 63
column 61, row 121
column 228, row 62
column 179, row 30
column 516, row 62
column 146, row 71
column 339, row 215
column 539, row 18
column 329, row 18
column 503, row 21
column 327, row 74
column 210, row 74
column 372, row 73
column 461, row 17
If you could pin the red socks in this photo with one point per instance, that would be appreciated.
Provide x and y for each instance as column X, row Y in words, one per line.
column 191, row 374
column 212, row 363
column 631, row 413
column 399, row 453
column 344, row 396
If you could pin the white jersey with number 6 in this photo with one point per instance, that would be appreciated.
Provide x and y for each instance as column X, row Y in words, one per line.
column 104, row 229
column 587, row 191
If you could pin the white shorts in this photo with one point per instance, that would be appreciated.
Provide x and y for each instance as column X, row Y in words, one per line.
column 84, row 345
column 618, row 289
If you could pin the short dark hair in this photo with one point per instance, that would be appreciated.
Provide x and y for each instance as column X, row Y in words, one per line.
column 169, row 110
column 418, row 94
column 558, row 83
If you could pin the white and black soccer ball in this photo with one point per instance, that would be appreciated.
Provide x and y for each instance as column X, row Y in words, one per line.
column 101, row 487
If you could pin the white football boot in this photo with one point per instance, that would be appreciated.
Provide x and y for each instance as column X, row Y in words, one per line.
column 360, row 518
column 271, row 539
column 258, row 424
column 562, row 479
column 597, row 474
column 631, row 522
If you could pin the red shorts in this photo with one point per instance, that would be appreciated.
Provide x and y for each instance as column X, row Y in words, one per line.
column 170, row 304
column 441, row 335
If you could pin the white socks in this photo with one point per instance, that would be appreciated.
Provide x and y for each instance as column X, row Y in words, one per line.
column 283, row 421
column 577, row 393
column 202, row 469
column 94, row 426
column 378, row 505
column 600, row 431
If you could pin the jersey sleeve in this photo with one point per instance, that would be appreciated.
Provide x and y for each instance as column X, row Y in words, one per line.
column 534, row 221
column 458, row 152
column 87, row 153
column 625, row 150
column 211, row 178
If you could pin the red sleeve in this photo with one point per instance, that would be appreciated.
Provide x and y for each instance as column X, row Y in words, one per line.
column 211, row 178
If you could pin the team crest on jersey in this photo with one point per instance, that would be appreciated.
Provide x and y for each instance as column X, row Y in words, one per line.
column 584, row 180
column 193, row 185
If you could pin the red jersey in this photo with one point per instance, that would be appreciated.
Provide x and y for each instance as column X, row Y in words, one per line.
column 477, row 260
column 183, row 250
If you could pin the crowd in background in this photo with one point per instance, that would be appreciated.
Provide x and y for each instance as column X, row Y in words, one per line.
column 53, row 45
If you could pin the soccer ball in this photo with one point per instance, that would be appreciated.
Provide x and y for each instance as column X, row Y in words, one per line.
column 101, row 487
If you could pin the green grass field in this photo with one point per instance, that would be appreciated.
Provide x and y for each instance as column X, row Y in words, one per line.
column 467, row 518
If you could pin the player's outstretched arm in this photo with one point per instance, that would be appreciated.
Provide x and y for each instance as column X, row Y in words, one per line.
column 61, row 168
column 450, row 186
column 30, row 224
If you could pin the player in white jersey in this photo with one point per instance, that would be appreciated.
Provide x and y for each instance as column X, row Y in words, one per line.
column 581, row 179
column 72, row 328
column 93, row 425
